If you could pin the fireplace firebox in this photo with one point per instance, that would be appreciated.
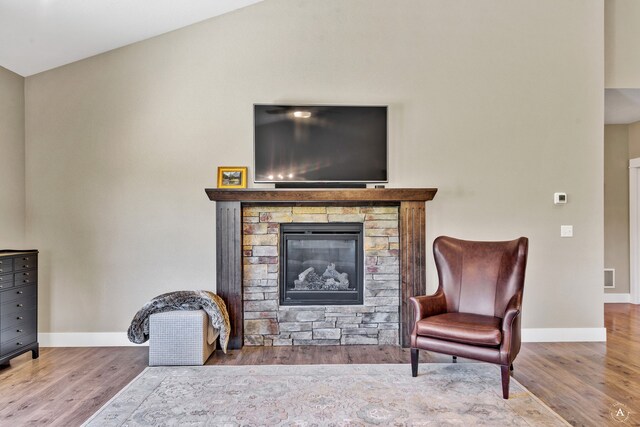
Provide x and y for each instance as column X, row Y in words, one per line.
column 321, row 264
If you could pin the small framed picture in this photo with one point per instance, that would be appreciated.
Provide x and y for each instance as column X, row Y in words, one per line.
column 232, row 177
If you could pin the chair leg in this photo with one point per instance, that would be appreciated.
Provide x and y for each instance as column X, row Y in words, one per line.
column 414, row 362
column 504, row 370
column 455, row 359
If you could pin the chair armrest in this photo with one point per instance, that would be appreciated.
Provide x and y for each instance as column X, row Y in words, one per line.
column 510, row 313
column 512, row 310
column 429, row 305
column 511, row 330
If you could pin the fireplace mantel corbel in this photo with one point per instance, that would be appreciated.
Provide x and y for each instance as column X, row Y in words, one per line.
column 412, row 225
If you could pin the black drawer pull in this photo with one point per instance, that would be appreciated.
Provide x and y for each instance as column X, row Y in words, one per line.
column 25, row 274
column 25, row 281
column 19, row 292
column 25, row 266
column 18, row 343
column 19, row 318
column 25, row 258
column 19, row 305
column 18, row 330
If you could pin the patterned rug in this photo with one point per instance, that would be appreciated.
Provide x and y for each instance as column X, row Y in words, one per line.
column 443, row 394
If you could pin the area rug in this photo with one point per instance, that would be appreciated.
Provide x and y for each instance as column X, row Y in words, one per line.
column 443, row 394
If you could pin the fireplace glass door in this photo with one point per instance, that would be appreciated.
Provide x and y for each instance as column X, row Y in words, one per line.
column 321, row 264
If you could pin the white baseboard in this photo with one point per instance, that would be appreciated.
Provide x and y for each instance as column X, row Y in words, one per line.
column 85, row 339
column 119, row 339
column 564, row 334
column 617, row 298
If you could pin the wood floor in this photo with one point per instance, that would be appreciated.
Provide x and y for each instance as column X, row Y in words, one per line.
column 580, row 381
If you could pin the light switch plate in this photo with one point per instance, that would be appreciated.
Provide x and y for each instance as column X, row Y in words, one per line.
column 566, row 231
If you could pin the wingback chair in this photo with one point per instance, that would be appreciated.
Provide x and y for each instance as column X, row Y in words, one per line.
column 475, row 313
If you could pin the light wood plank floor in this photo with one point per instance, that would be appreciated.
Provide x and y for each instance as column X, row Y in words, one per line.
column 580, row 381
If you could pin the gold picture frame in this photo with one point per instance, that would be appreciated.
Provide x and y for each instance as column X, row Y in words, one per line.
column 232, row 177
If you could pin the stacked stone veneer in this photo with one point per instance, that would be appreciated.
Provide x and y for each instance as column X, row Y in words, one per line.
column 267, row 323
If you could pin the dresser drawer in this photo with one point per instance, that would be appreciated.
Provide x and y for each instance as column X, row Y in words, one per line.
column 6, row 265
column 9, row 320
column 7, row 347
column 28, row 262
column 19, row 330
column 6, row 281
column 25, row 277
column 18, row 306
column 15, row 294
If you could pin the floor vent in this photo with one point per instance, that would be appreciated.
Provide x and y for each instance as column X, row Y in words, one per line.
column 609, row 277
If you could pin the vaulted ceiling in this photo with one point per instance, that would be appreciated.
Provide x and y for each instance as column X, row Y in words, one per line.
column 38, row 35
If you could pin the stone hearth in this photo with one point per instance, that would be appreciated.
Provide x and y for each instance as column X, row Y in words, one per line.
column 267, row 323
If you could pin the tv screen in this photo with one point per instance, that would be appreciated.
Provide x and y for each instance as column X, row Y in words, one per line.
column 305, row 143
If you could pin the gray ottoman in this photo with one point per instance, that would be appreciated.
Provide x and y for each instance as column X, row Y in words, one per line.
column 179, row 338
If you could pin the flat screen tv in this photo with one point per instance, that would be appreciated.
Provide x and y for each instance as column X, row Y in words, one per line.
column 320, row 144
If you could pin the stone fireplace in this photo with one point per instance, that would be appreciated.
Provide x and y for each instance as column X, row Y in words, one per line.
column 248, row 223
column 320, row 275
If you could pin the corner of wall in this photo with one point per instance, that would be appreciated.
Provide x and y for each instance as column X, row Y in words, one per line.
column 12, row 160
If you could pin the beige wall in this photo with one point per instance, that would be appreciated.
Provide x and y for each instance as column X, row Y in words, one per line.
column 622, row 70
column 498, row 104
column 12, row 162
column 634, row 140
column 616, row 204
column 622, row 39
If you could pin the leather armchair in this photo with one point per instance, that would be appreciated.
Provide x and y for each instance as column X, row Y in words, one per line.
column 476, row 311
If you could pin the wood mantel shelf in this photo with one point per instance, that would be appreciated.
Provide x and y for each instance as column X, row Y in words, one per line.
column 412, row 230
column 270, row 195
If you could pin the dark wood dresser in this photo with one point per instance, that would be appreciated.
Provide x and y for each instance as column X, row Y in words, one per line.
column 18, row 304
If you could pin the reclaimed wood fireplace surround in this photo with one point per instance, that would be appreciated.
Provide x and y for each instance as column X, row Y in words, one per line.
column 229, row 250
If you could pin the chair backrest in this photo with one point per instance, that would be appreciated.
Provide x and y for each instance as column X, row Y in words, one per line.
column 480, row 277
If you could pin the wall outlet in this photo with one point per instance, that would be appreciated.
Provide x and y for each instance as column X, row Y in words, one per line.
column 566, row 231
